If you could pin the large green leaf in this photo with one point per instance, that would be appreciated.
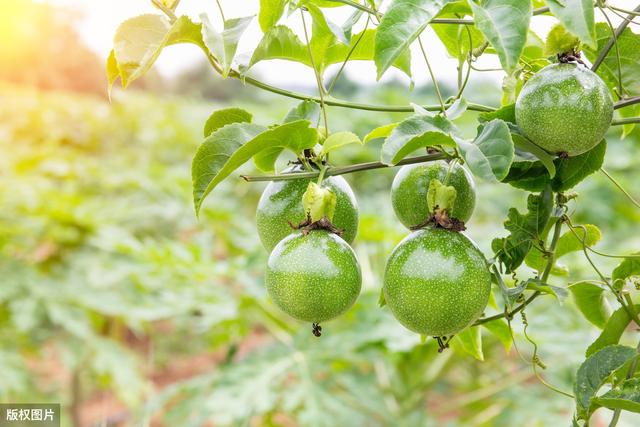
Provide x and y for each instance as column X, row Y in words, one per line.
column 323, row 25
column 380, row 132
column 416, row 132
column 625, row 397
column 532, row 176
column 362, row 49
column 470, row 340
column 612, row 331
column 401, row 25
column 629, row 267
column 500, row 329
column 139, row 41
column 505, row 24
column 594, row 371
column 590, row 300
column 224, row 117
column 577, row 17
column 491, row 153
column 270, row 13
column 280, row 42
column 567, row 243
column 458, row 39
column 629, row 48
column 338, row 140
column 231, row 146
column 525, row 230
column 223, row 45
column 524, row 144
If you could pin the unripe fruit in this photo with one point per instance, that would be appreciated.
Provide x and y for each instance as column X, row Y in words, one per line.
column 281, row 202
column 313, row 277
column 565, row 108
column 411, row 184
column 436, row 282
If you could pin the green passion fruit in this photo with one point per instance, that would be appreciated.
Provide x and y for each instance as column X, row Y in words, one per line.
column 281, row 203
column 436, row 282
column 313, row 277
column 411, row 184
column 565, row 109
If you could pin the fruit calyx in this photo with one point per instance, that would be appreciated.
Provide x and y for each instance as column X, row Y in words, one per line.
column 317, row 329
column 443, row 343
column 571, row 57
column 440, row 200
column 319, row 203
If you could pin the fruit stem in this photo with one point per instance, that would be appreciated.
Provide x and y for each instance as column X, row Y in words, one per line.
column 358, row 167
column 625, row 103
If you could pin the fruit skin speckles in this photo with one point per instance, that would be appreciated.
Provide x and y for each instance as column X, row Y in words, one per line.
column 565, row 108
column 436, row 282
column 411, row 184
column 281, row 202
column 313, row 277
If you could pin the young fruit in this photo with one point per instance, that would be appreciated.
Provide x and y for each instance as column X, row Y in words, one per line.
column 565, row 108
column 436, row 282
column 313, row 277
column 410, row 186
column 280, row 204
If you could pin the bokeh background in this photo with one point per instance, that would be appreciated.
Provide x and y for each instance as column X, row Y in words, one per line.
column 116, row 302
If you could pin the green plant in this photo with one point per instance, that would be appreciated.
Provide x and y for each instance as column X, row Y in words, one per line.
column 501, row 151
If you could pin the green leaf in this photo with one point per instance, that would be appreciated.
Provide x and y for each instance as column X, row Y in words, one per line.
column 400, row 26
column 594, row 371
column 629, row 267
column 362, row 49
column 629, row 111
column 112, row 70
column 318, row 202
column 266, row 159
column 567, row 243
column 626, row 397
column 559, row 41
column 224, row 117
column 457, row 109
column 380, row 132
column 440, row 196
column 223, row 45
column 536, row 285
column 577, row 17
column 470, row 340
column 339, row 139
column 505, row 24
column 491, row 154
column 523, row 143
column 414, row 133
column 525, row 230
column 590, row 300
column 231, row 146
column 139, row 41
column 455, row 38
column 500, row 329
column 381, row 299
column 323, row 24
column 280, row 42
column 506, row 113
column 531, row 176
column 629, row 48
column 612, row 331
column 270, row 13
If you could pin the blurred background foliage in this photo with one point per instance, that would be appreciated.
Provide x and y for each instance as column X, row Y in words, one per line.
column 117, row 303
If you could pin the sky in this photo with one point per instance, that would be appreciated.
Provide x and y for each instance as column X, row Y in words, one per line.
column 100, row 19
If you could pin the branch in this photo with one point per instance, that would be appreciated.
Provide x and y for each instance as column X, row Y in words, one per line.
column 626, row 102
column 545, row 275
column 605, row 51
column 332, row 101
column 538, row 11
column 333, row 171
column 625, row 121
